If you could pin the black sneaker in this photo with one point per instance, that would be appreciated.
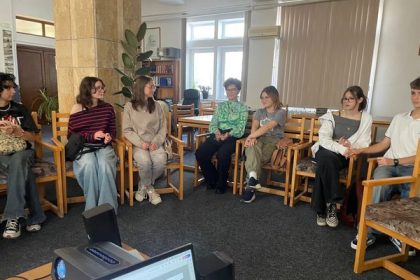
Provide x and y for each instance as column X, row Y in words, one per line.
column 12, row 229
column 253, row 183
column 397, row 243
column 369, row 241
column 332, row 218
column 248, row 196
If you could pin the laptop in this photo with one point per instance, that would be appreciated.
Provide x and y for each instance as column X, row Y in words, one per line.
column 176, row 264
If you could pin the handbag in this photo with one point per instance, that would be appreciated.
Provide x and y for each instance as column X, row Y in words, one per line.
column 167, row 146
column 74, row 147
column 279, row 156
column 10, row 144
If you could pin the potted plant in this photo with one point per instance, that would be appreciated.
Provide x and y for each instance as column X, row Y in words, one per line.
column 47, row 104
column 205, row 91
column 133, row 59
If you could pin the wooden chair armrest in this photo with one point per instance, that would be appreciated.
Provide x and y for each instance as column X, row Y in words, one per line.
column 372, row 162
column 126, row 142
column 301, row 146
column 57, row 143
column 388, row 181
column 52, row 147
column 179, row 142
column 202, row 135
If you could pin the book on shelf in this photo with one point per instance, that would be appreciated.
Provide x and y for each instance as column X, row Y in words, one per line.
column 165, row 81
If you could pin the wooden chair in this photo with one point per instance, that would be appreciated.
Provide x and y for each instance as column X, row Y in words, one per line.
column 207, row 108
column 294, row 130
column 396, row 218
column 304, row 167
column 45, row 171
column 59, row 131
column 200, row 138
column 177, row 164
column 182, row 111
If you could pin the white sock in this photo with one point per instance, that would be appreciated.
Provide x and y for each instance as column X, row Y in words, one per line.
column 253, row 174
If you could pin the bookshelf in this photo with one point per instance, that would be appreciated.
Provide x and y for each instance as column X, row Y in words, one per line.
column 166, row 76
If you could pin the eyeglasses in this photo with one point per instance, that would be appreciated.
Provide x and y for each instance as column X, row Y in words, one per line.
column 349, row 99
column 99, row 88
column 153, row 87
column 232, row 89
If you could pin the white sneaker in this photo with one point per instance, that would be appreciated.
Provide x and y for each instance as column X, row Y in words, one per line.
column 33, row 228
column 12, row 229
column 154, row 197
column 141, row 194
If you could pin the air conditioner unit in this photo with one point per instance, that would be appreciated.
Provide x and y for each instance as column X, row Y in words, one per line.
column 256, row 32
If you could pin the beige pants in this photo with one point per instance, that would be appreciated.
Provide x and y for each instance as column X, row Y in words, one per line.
column 260, row 154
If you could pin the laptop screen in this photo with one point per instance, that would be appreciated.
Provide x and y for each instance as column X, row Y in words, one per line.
column 177, row 264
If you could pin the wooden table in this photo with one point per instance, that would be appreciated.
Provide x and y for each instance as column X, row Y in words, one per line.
column 44, row 271
column 200, row 122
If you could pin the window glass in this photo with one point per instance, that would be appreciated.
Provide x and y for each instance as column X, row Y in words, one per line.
column 232, row 28
column 30, row 27
column 203, row 69
column 49, row 31
column 201, row 31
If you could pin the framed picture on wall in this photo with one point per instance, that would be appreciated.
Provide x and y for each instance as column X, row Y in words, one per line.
column 152, row 40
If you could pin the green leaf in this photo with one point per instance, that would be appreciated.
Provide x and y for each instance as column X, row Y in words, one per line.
column 141, row 32
column 117, row 93
column 144, row 56
column 127, row 81
column 127, row 92
column 131, row 51
column 143, row 71
column 119, row 71
column 128, row 61
column 131, row 38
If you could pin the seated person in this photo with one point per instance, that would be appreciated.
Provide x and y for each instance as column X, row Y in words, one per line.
column 144, row 125
column 350, row 127
column 227, row 125
column 400, row 143
column 15, row 120
column 94, row 119
column 267, row 128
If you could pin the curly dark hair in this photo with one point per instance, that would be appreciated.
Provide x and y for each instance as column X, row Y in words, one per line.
column 139, row 98
column 357, row 93
column 233, row 81
column 85, row 91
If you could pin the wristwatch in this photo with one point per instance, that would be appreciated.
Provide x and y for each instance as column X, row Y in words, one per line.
column 396, row 161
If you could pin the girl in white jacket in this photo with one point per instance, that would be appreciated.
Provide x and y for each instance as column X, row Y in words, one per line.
column 350, row 127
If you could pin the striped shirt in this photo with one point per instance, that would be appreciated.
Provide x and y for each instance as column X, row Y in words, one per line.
column 98, row 118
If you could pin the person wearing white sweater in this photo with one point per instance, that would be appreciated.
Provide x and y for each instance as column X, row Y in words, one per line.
column 144, row 125
column 349, row 128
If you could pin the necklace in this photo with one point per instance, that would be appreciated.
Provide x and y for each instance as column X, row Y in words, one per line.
column 7, row 109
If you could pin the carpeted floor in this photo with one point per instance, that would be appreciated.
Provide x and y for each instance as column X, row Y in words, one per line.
column 266, row 239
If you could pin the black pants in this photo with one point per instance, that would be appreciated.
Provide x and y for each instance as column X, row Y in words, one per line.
column 327, row 187
column 224, row 149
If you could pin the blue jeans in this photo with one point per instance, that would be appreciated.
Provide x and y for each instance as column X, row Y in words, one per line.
column 96, row 172
column 21, row 188
column 384, row 193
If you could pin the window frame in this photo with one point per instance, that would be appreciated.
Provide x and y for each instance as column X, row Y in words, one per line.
column 43, row 24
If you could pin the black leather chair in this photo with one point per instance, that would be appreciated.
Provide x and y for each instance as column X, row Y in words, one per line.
column 192, row 96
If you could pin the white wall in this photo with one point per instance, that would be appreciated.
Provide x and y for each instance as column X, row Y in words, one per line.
column 398, row 57
column 40, row 9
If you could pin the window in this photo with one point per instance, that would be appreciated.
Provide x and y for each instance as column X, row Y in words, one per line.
column 35, row 27
column 214, row 52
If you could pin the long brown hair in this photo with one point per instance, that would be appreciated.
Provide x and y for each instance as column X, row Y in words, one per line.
column 139, row 98
column 85, row 91
column 274, row 95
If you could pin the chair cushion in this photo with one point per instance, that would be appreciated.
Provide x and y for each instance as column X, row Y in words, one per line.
column 400, row 216
column 309, row 165
column 41, row 167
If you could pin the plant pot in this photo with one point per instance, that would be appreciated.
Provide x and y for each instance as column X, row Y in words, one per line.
column 205, row 94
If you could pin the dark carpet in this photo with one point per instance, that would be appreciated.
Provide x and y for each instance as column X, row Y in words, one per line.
column 266, row 239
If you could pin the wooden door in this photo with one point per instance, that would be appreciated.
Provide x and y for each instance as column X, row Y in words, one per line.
column 37, row 70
